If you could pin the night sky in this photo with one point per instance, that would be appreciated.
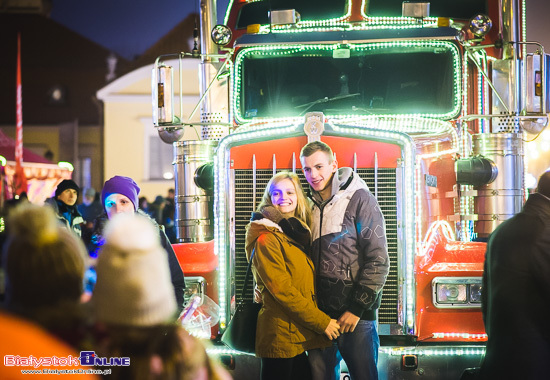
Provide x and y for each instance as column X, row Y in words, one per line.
column 129, row 27
column 538, row 28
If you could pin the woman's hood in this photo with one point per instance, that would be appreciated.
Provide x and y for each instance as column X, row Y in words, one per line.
column 257, row 227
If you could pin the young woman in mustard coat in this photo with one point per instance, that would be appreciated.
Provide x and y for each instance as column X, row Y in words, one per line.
column 289, row 322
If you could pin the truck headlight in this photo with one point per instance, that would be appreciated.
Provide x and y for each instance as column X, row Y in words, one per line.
column 456, row 292
column 475, row 293
column 194, row 286
column 451, row 293
column 480, row 25
column 221, row 35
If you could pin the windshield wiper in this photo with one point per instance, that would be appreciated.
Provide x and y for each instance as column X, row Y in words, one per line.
column 326, row 99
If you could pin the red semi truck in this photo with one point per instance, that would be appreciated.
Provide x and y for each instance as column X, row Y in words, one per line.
column 428, row 102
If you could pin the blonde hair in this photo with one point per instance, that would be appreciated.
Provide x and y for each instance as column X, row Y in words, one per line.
column 303, row 209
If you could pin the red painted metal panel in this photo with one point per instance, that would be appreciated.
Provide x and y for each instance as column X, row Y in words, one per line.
column 195, row 258
column 443, row 258
column 198, row 259
column 343, row 147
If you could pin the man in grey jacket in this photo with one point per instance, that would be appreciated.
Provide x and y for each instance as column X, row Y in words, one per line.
column 351, row 261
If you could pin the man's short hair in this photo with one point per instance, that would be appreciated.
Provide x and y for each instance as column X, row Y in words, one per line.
column 316, row 146
column 543, row 186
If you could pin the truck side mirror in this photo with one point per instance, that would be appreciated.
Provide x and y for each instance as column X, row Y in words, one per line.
column 536, row 98
column 537, row 66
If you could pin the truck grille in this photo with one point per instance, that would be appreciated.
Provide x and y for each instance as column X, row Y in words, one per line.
column 387, row 199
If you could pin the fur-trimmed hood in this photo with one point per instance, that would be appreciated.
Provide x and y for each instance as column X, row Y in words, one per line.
column 291, row 228
column 257, row 227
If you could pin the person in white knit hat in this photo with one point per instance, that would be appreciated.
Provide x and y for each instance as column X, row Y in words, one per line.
column 133, row 280
column 134, row 305
column 120, row 196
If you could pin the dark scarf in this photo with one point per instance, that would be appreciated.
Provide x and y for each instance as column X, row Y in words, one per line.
column 293, row 228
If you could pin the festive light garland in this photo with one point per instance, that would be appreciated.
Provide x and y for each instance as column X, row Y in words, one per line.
column 290, row 49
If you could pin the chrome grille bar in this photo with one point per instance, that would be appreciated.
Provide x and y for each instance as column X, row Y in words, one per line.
column 254, row 187
column 376, row 175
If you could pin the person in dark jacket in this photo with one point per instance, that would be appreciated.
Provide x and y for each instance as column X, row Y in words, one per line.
column 289, row 322
column 120, row 195
column 64, row 205
column 350, row 254
column 168, row 216
column 90, row 209
column 516, row 292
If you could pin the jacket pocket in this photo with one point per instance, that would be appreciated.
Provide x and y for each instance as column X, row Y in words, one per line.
column 287, row 331
column 295, row 335
column 333, row 295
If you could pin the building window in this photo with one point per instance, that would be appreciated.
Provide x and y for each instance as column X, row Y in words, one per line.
column 160, row 158
column 85, row 173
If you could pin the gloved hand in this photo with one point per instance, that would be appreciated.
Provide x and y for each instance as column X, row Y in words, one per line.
column 272, row 213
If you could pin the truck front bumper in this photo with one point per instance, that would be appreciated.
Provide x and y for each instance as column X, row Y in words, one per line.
column 428, row 361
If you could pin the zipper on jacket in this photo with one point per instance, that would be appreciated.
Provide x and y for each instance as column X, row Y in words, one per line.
column 350, row 273
column 321, row 208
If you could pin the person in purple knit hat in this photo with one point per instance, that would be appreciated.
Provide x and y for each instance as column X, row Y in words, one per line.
column 120, row 195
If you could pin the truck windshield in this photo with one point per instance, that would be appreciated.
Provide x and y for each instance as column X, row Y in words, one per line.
column 363, row 80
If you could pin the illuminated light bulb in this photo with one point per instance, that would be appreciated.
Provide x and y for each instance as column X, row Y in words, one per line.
column 65, row 165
